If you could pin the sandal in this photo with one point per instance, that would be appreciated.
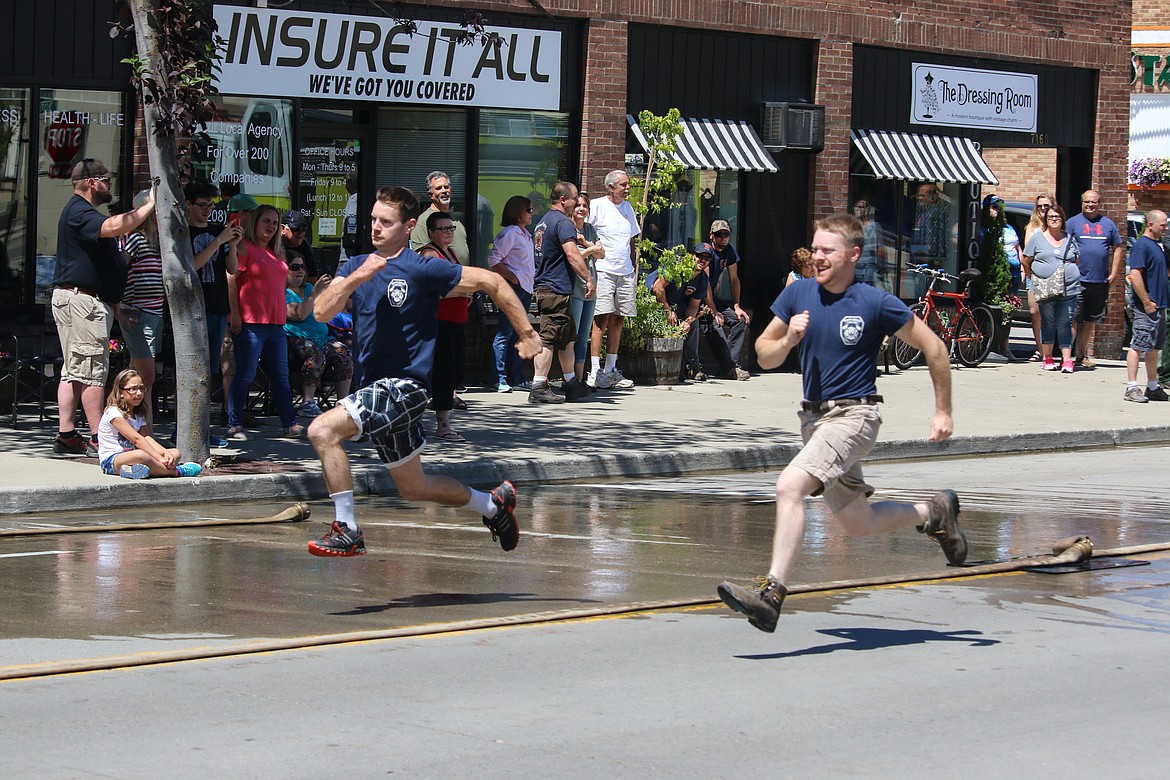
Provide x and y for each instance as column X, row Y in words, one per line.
column 1036, row 357
column 450, row 436
column 295, row 431
column 459, row 403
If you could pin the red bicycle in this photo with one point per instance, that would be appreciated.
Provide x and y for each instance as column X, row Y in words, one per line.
column 966, row 330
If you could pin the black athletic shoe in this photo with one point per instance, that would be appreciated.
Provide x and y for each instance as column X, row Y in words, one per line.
column 72, row 443
column 943, row 526
column 760, row 603
column 503, row 526
column 340, row 542
column 575, row 390
column 1157, row 394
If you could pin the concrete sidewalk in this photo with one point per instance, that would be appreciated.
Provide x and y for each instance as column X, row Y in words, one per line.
column 716, row 425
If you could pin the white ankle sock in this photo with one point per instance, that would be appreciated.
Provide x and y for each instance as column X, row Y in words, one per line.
column 595, row 364
column 611, row 361
column 482, row 504
column 343, row 506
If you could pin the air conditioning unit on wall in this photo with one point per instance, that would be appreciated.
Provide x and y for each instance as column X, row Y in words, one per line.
column 793, row 126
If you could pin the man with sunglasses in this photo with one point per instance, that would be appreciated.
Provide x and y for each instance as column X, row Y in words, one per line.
column 89, row 281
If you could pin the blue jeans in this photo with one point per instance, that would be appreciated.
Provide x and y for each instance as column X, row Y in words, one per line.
column 509, row 366
column 255, row 344
column 1056, row 318
column 583, row 322
column 216, row 323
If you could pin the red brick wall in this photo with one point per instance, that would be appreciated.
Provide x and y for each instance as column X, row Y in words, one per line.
column 830, row 174
column 604, row 109
column 1023, row 173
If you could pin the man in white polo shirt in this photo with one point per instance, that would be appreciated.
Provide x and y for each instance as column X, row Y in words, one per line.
column 617, row 277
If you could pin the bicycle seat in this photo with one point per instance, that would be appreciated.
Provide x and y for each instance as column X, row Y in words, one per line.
column 968, row 275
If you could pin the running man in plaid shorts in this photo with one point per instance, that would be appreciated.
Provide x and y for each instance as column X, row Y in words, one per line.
column 395, row 293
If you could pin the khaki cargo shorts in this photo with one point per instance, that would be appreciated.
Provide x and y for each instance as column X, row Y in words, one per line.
column 83, row 326
column 835, row 442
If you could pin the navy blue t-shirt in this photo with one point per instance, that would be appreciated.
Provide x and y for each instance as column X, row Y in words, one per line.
column 680, row 298
column 552, row 264
column 395, row 315
column 1148, row 255
column 720, row 261
column 839, row 351
column 84, row 258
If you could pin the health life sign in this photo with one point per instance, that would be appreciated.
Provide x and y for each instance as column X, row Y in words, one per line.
column 341, row 57
column 964, row 97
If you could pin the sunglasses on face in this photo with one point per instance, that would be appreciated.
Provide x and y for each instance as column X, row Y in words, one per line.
column 297, row 267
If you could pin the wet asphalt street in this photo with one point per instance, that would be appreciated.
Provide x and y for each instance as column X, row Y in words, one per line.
column 972, row 678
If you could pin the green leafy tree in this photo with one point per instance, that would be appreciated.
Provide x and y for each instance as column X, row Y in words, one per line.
column 652, row 196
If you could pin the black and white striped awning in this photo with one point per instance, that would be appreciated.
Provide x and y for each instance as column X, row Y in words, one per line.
column 918, row 157
column 717, row 144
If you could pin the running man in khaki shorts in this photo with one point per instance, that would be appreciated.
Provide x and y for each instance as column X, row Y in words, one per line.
column 839, row 326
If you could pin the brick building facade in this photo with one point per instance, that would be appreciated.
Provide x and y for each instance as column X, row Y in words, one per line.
column 715, row 59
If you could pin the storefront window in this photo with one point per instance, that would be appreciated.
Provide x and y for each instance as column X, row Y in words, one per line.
column 75, row 124
column 414, row 142
column 248, row 144
column 14, row 130
column 908, row 223
column 330, row 158
column 520, row 153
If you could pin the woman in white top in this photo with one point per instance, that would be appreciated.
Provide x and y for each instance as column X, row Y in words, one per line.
column 512, row 257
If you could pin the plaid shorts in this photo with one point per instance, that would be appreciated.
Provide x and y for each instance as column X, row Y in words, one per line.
column 389, row 413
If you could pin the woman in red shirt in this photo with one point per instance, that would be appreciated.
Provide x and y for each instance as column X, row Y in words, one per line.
column 258, row 313
column 449, row 341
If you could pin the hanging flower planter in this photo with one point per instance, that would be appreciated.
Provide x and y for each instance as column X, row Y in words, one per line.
column 1149, row 173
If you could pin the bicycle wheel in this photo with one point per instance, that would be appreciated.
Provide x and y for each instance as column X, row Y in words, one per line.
column 902, row 354
column 973, row 336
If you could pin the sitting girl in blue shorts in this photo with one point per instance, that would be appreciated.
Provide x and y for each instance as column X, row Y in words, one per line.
column 125, row 445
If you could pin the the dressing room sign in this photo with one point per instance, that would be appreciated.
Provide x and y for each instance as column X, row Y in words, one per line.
column 965, row 97
column 334, row 56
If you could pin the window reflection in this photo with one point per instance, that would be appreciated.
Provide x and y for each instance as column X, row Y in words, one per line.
column 75, row 124
column 14, row 123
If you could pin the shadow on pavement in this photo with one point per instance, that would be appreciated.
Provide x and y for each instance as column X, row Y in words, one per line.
column 877, row 638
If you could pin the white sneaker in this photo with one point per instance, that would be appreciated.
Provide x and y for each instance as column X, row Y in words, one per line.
column 618, row 381
column 599, row 379
column 310, row 409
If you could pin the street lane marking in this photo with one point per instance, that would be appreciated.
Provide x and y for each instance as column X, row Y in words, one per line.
column 27, row 554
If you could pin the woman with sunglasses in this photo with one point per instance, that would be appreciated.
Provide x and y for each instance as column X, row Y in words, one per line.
column 312, row 349
column 258, row 314
column 1044, row 255
column 1036, row 225
column 447, row 368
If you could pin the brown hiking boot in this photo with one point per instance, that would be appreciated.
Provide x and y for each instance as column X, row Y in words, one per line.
column 943, row 526
column 760, row 603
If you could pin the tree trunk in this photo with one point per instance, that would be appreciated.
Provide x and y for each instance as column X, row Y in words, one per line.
column 184, row 292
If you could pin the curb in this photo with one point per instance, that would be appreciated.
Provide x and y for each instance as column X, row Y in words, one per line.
column 483, row 471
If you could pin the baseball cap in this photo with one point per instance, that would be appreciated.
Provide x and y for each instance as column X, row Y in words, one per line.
column 993, row 200
column 720, row 224
column 703, row 248
column 296, row 220
column 89, row 168
column 242, row 202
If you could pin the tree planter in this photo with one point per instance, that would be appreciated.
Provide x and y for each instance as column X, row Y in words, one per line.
column 659, row 362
